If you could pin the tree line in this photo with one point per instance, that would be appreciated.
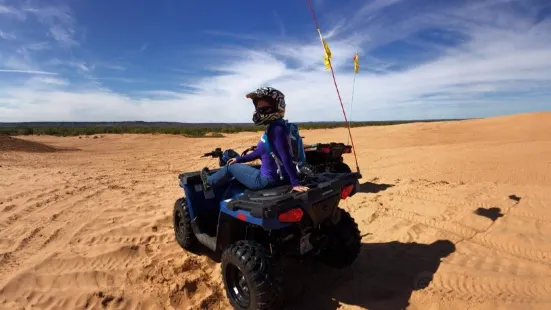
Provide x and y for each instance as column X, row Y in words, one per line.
column 185, row 130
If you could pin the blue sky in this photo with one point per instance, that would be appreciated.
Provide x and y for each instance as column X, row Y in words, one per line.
column 77, row 60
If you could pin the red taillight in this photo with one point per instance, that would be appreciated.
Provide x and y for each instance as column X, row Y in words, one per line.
column 347, row 150
column 242, row 217
column 326, row 150
column 291, row 216
column 346, row 191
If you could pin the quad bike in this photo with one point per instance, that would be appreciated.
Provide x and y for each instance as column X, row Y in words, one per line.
column 327, row 157
column 253, row 230
column 324, row 157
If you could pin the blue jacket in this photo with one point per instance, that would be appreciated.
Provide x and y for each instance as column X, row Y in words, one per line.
column 277, row 135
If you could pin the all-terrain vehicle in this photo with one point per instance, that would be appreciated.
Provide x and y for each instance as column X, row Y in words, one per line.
column 252, row 230
column 327, row 157
column 324, row 157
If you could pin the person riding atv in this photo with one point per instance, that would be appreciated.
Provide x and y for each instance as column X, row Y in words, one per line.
column 253, row 227
column 277, row 166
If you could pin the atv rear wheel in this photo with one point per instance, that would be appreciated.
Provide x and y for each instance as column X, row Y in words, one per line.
column 341, row 168
column 345, row 242
column 182, row 225
column 250, row 278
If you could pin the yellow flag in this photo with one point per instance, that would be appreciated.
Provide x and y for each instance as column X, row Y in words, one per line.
column 327, row 52
column 356, row 63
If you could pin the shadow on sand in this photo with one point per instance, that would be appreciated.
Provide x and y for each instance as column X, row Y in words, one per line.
column 491, row 213
column 369, row 187
column 383, row 277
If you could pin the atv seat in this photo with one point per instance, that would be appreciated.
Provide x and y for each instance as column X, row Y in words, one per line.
column 265, row 203
column 269, row 193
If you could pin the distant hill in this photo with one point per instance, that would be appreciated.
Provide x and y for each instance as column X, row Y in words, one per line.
column 112, row 124
column 187, row 129
column 205, row 125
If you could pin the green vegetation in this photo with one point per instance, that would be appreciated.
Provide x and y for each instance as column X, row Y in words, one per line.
column 189, row 130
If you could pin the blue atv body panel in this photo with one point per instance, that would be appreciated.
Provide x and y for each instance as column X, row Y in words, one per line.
column 209, row 201
column 268, row 224
column 220, row 200
column 262, row 208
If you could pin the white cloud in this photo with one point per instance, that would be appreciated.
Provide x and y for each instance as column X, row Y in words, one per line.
column 63, row 35
column 73, row 66
column 60, row 21
column 46, row 81
column 14, row 62
column 11, row 12
column 501, row 62
column 27, row 71
column 112, row 66
column 27, row 49
column 280, row 24
column 7, row 36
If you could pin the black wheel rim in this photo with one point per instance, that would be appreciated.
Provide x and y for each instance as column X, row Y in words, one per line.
column 181, row 224
column 238, row 286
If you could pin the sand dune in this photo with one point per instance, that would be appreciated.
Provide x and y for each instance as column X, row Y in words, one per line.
column 454, row 215
column 19, row 145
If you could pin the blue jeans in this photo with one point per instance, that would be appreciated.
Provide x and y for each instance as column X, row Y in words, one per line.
column 249, row 176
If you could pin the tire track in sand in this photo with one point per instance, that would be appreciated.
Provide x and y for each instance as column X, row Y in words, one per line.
column 466, row 233
column 483, row 288
column 517, row 272
column 56, row 277
column 35, row 246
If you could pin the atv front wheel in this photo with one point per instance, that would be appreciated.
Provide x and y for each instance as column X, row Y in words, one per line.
column 250, row 278
column 182, row 225
column 341, row 168
column 345, row 242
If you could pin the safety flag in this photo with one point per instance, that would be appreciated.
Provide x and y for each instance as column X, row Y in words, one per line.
column 327, row 52
column 356, row 63
column 327, row 61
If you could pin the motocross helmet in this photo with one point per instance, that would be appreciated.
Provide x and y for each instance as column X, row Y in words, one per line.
column 275, row 111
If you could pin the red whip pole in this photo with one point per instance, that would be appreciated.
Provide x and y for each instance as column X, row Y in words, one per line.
column 338, row 93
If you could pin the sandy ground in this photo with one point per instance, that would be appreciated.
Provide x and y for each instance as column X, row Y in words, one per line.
column 466, row 203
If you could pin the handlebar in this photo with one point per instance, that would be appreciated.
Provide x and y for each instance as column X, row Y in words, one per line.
column 217, row 153
column 223, row 156
column 251, row 149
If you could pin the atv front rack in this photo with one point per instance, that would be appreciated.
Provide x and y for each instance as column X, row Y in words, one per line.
column 336, row 149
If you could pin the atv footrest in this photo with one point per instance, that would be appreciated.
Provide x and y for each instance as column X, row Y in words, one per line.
column 206, row 240
column 203, row 238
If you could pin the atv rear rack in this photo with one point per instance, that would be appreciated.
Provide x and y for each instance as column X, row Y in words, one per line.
column 268, row 203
